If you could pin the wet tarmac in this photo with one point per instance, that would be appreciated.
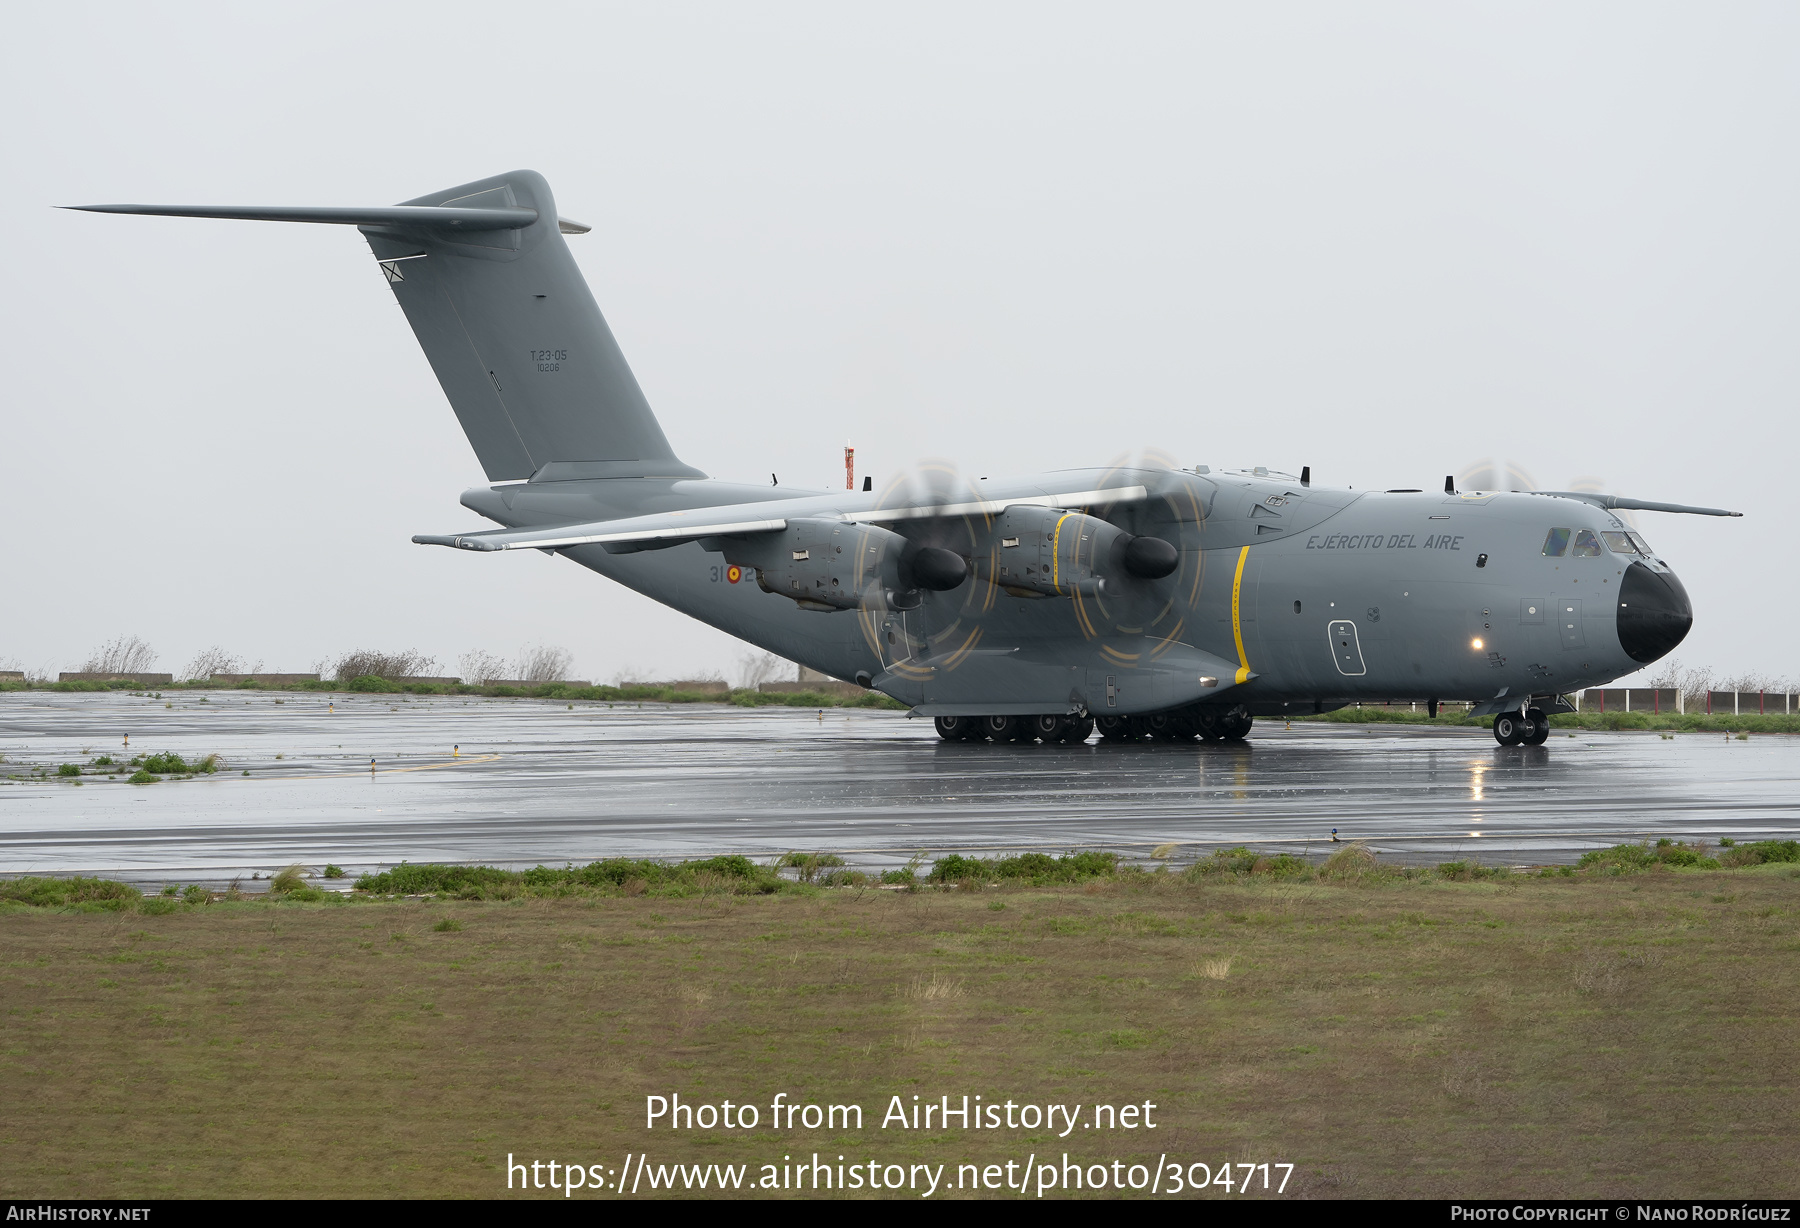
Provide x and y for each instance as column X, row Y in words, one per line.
column 537, row 781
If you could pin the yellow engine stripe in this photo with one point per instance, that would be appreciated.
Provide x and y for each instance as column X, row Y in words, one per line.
column 1056, row 553
column 1237, row 626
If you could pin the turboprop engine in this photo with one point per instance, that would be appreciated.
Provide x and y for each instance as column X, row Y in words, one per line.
column 1043, row 552
column 834, row 565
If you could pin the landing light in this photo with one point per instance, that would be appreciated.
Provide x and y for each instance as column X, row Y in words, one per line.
column 1475, row 644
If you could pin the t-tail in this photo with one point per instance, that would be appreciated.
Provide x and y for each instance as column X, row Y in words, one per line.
column 509, row 325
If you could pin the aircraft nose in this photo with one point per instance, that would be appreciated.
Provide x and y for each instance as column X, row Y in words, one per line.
column 1654, row 613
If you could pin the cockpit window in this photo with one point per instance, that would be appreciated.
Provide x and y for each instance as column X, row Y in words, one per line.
column 1620, row 543
column 1557, row 543
column 1587, row 546
column 1643, row 547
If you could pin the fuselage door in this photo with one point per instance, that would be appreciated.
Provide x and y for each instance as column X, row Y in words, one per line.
column 1346, row 651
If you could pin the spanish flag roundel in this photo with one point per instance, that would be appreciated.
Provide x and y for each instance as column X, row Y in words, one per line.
column 734, row 573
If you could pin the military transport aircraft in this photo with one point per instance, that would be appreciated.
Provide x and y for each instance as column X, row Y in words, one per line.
column 1154, row 602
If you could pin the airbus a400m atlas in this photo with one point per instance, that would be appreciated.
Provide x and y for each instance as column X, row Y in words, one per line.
column 1153, row 602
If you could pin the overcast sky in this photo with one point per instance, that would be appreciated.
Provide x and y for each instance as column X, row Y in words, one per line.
column 1383, row 240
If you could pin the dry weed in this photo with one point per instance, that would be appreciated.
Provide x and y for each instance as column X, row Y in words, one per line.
column 1213, row 969
column 935, row 988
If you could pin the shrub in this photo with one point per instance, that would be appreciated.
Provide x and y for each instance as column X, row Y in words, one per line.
column 168, row 763
column 447, row 926
column 1353, row 861
column 736, row 875
column 1762, row 852
column 1039, row 869
column 141, row 777
column 104, row 761
column 291, row 879
column 196, row 894
column 59, row 892
column 332, row 871
column 809, row 864
column 68, row 769
column 372, row 683
column 1631, row 858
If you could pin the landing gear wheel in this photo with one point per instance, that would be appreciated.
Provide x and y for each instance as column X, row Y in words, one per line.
column 1045, row 728
column 1000, row 728
column 1206, row 724
column 1540, row 727
column 1077, row 729
column 1510, row 729
column 1166, row 727
column 955, row 728
column 1236, row 723
column 1115, row 729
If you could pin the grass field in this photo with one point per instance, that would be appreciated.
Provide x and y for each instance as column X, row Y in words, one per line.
column 1626, row 1035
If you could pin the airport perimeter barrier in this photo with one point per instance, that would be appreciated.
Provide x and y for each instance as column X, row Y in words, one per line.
column 12, row 675
column 522, row 683
column 1629, row 699
column 102, row 676
column 842, row 690
column 265, row 679
column 701, row 686
column 1752, row 703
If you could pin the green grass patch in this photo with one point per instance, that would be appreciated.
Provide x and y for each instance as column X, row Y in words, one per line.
column 730, row 875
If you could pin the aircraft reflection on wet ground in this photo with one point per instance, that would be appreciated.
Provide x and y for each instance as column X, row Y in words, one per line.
column 535, row 781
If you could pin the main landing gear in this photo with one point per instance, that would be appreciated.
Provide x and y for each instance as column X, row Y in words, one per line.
column 1071, row 730
column 1213, row 722
column 1530, row 729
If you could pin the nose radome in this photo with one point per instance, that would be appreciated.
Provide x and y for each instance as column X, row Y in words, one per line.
column 1654, row 613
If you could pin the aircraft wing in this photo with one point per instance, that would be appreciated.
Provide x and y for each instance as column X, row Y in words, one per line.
column 736, row 520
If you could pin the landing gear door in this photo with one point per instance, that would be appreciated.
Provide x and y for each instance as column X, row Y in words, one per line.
column 1346, row 651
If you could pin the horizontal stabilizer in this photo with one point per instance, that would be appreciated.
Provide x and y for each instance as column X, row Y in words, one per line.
column 638, row 529
column 1622, row 504
column 433, row 216
column 738, row 519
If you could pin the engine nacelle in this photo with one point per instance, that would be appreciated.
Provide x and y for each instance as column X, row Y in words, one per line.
column 1044, row 552
column 833, row 565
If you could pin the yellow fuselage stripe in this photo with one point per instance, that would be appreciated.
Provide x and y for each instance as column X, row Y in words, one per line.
column 1237, row 624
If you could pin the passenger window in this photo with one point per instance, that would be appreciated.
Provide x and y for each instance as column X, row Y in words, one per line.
column 1587, row 546
column 1557, row 543
column 1619, row 543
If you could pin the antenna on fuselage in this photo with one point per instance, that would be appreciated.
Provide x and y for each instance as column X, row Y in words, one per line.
column 1449, row 485
column 1306, row 475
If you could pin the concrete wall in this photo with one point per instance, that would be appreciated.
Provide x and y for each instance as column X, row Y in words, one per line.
column 1666, row 701
column 1751, row 703
column 12, row 675
column 830, row 686
column 145, row 679
column 265, row 679
column 521, row 684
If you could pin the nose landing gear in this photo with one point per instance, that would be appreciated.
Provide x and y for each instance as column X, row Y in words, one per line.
column 1532, row 728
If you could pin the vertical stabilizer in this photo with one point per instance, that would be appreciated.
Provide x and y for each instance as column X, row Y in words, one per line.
column 518, row 342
